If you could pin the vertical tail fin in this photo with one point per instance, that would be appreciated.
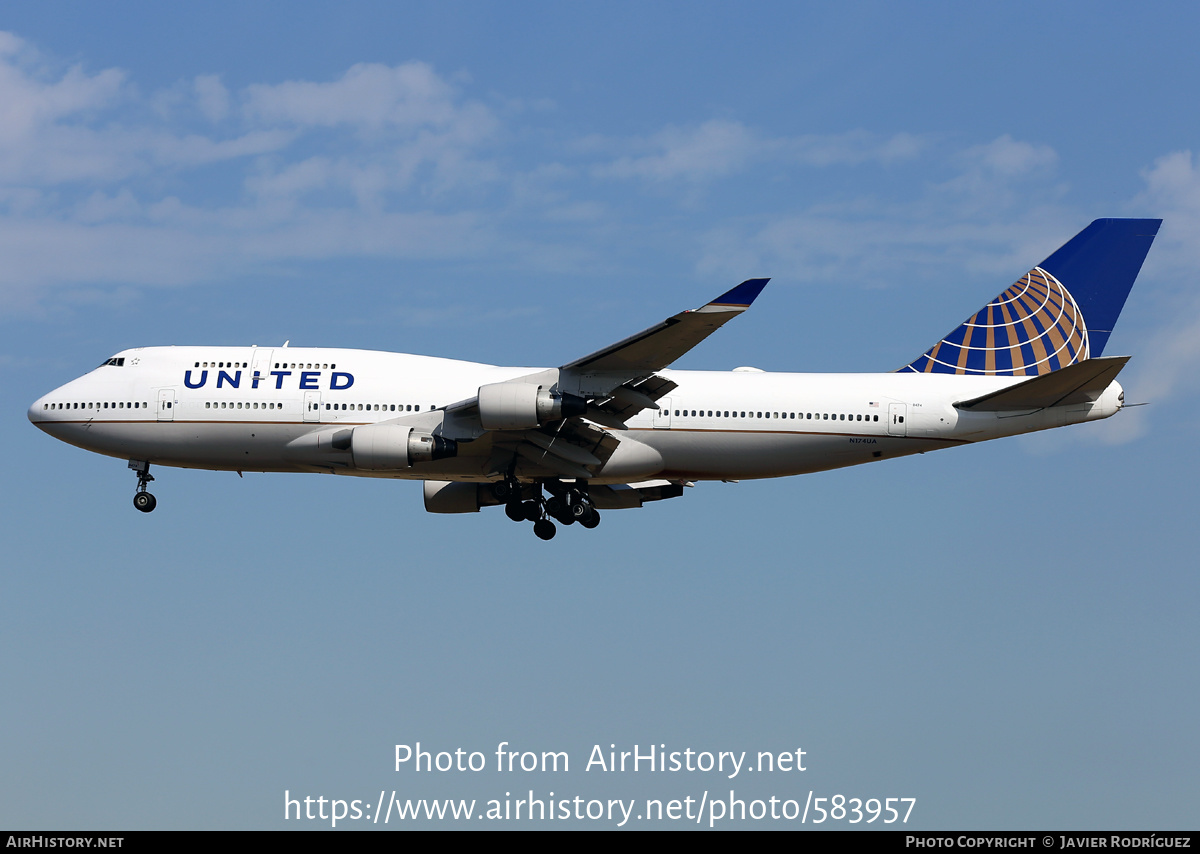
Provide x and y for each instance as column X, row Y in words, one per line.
column 1059, row 313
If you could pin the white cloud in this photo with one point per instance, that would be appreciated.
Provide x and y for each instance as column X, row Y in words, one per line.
column 28, row 102
column 407, row 98
column 719, row 148
column 95, row 183
column 711, row 150
column 62, row 127
column 212, row 97
column 1164, row 368
column 1173, row 193
column 1010, row 157
column 1001, row 174
column 99, row 190
column 848, row 149
column 872, row 243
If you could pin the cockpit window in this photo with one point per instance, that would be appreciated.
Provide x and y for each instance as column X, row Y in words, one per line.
column 115, row 361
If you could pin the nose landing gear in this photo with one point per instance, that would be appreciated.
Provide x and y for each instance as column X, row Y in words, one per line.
column 142, row 499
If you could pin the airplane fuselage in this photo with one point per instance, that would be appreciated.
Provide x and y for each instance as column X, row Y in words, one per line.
column 277, row 409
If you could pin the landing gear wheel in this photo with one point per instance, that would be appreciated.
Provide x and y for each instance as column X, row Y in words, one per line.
column 591, row 520
column 515, row 510
column 503, row 490
column 544, row 529
column 532, row 511
column 142, row 499
column 557, row 509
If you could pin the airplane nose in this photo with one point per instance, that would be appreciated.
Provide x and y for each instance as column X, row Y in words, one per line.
column 38, row 414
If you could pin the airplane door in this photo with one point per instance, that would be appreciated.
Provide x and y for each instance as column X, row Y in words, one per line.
column 896, row 419
column 312, row 406
column 166, row 404
column 262, row 367
column 662, row 415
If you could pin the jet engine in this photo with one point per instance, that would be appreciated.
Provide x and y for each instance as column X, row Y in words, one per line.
column 522, row 406
column 443, row 496
column 384, row 447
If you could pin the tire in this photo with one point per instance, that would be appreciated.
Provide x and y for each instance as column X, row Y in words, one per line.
column 144, row 501
column 500, row 490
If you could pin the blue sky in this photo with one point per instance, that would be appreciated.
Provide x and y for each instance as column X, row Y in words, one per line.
column 1005, row 632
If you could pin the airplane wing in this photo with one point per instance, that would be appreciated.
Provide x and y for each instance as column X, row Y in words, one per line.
column 549, row 419
column 619, row 381
column 657, row 347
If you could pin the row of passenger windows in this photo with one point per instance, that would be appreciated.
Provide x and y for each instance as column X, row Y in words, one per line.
column 97, row 405
column 310, row 366
column 369, row 407
column 239, row 405
column 329, row 407
column 803, row 416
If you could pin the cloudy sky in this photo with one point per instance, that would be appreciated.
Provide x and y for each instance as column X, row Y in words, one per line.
column 1004, row 632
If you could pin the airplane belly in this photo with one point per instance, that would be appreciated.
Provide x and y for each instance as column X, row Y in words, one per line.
column 249, row 447
column 731, row 455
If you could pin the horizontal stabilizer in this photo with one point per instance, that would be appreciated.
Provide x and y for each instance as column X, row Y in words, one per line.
column 1082, row 382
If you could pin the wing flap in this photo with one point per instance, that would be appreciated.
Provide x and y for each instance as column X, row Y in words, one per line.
column 628, row 400
column 630, row 495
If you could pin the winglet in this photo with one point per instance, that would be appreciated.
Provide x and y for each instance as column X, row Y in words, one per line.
column 740, row 296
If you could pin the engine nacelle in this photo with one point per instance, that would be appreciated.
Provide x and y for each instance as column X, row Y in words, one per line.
column 522, row 406
column 443, row 496
column 386, row 447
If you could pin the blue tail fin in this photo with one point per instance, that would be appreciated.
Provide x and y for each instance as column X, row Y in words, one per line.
column 1059, row 313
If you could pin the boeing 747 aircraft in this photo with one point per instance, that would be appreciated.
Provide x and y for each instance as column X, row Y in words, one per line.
column 617, row 428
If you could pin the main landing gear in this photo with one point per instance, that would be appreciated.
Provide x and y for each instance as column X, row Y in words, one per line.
column 142, row 499
column 568, row 503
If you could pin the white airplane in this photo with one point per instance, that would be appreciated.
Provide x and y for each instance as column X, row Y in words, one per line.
column 614, row 429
